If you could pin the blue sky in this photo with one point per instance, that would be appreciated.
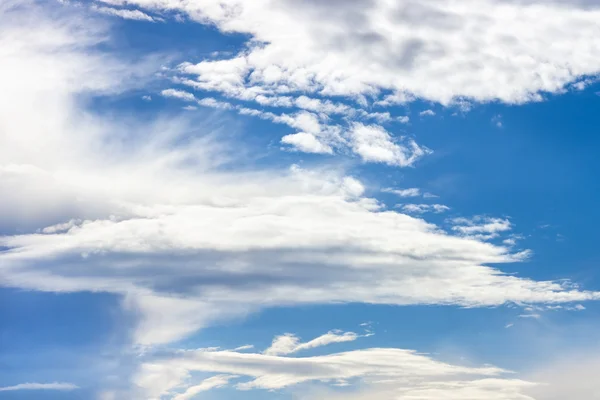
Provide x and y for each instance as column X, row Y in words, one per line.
column 281, row 199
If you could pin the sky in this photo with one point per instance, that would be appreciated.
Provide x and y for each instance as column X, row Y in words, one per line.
column 299, row 199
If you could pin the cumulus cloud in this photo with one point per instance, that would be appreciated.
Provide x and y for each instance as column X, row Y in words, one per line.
column 440, row 51
column 306, row 142
column 40, row 386
column 374, row 144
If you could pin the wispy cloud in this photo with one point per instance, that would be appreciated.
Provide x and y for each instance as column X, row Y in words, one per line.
column 411, row 192
column 424, row 208
column 40, row 386
column 126, row 14
column 289, row 343
column 397, row 372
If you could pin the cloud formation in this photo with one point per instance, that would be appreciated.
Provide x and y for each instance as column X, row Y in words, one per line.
column 512, row 51
column 382, row 373
column 166, row 215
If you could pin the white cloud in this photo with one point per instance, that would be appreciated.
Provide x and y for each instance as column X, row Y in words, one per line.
column 371, row 373
column 411, row 192
column 244, row 347
column 439, row 51
column 40, row 386
column 123, row 13
column 424, row 208
column 289, row 343
column 374, row 144
column 427, row 113
column 178, row 94
column 481, row 227
column 306, row 142
column 164, row 215
column 532, row 316
column 214, row 103
column 207, row 384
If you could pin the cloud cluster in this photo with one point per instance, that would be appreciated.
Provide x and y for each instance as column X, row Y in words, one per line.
column 306, row 54
column 437, row 50
column 316, row 134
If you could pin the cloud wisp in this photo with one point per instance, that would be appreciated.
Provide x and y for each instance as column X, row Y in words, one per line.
column 382, row 373
column 61, row 386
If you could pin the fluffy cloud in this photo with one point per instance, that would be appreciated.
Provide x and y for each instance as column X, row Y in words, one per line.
column 374, row 144
column 436, row 50
column 306, row 142
column 481, row 227
column 384, row 52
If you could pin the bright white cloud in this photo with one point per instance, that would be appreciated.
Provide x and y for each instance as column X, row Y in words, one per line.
column 376, row 372
column 438, row 50
column 427, row 113
column 126, row 14
column 214, row 103
column 207, row 384
column 424, row 208
column 410, row 192
column 374, row 144
column 178, row 94
column 40, row 386
column 289, row 343
column 306, row 142
column 481, row 227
